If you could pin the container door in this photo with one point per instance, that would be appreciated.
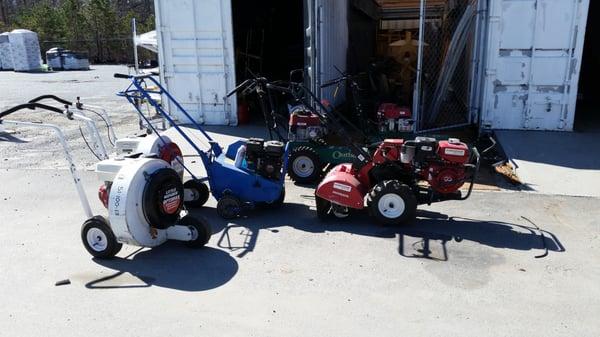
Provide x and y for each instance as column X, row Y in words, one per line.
column 196, row 58
column 533, row 63
column 326, row 44
column 310, row 40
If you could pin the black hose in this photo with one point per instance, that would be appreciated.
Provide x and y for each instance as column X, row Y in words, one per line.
column 105, row 123
column 88, row 144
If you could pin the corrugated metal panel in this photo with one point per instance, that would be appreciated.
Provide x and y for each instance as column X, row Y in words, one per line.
column 195, row 40
column 532, row 63
column 332, row 18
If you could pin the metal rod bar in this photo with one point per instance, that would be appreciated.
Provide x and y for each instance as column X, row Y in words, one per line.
column 135, row 51
column 417, row 91
column 76, row 179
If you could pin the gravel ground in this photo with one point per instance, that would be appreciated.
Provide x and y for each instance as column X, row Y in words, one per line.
column 26, row 147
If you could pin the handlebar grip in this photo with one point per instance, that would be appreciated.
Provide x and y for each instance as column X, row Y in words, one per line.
column 332, row 82
column 58, row 99
column 117, row 75
column 31, row 106
column 236, row 89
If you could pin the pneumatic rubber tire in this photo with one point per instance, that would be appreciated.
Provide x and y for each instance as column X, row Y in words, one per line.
column 202, row 228
column 200, row 190
column 304, row 165
column 392, row 203
column 99, row 239
column 229, row 207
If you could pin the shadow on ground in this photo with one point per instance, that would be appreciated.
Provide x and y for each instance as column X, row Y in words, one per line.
column 241, row 236
column 7, row 137
column 171, row 265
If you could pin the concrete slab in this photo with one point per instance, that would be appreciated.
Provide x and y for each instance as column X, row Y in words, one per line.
column 555, row 162
column 464, row 269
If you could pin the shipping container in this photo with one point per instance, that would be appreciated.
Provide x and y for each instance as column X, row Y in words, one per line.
column 199, row 57
column 532, row 63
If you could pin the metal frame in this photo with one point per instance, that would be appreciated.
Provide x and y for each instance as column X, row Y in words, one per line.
column 136, row 89
column 62, row 139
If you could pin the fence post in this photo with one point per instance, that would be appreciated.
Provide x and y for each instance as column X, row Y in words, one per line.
column 417, row 91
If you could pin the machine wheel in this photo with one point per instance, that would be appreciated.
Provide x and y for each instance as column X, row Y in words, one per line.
column 392, row 203
column 229, row 207
column 99, row 239
column 201, row 226
column 304, row 165
column 201, row 193
column 323, row 207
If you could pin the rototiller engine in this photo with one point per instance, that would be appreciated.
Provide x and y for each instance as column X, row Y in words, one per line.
column 394, row 118
column 399, row 176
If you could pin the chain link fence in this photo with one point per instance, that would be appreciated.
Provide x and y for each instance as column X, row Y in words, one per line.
column 449, row 36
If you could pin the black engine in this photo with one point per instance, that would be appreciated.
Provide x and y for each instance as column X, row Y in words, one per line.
column 265, row 158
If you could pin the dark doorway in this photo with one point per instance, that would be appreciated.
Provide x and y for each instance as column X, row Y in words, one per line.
column 268, row 37
column 587, row 116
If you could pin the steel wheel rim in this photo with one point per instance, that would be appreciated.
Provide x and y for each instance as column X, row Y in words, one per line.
column 391, row 205
column 303, row 166
column 97, row 239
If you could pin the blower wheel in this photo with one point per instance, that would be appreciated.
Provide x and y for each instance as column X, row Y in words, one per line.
column 200, row 227
column 162, row 199
column 201, row 193
column 98, row 238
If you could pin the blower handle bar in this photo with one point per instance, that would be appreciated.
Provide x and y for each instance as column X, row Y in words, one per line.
column 139, row 76
column 30, row 106
column 58, row 99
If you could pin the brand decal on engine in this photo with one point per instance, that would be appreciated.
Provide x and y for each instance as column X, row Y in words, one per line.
column 342, row 187
column 455, row 152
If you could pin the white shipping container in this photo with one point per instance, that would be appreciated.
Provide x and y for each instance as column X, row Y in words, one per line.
column 6, row 62
column 196, row 58
column 532, row 63
column 196, row 53
column 25, row 50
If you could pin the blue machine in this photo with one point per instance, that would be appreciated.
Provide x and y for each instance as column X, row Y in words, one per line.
column 235, row 187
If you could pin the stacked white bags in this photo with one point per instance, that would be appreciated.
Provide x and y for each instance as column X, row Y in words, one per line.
column 62, row 59
column 6, row 62
column 25, row 49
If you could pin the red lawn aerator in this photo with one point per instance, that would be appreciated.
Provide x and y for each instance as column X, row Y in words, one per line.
column 399, row 176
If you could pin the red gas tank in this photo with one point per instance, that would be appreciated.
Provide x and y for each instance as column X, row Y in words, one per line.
column 454, row 151
column 302, row 120
column 388, row 150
